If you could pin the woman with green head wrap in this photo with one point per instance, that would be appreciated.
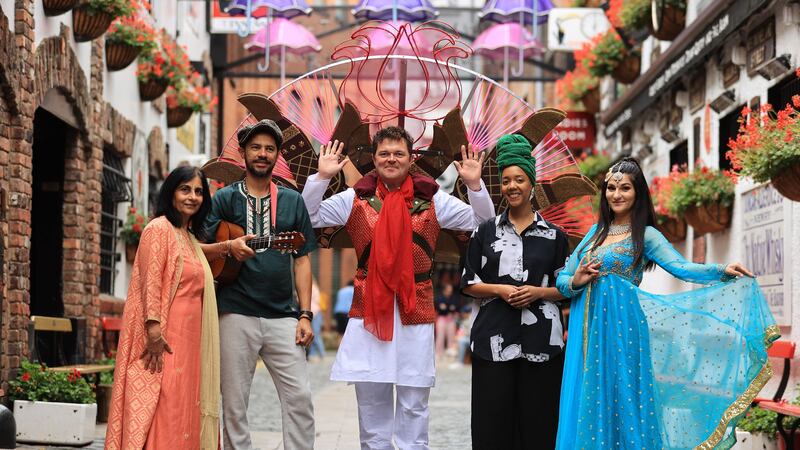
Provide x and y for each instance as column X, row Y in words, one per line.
column 517, row 339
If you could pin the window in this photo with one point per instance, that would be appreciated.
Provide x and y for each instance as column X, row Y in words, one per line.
column 117, row 188
column 679, row 155
column 696, row 138
column 781, row 94
column 728, row 129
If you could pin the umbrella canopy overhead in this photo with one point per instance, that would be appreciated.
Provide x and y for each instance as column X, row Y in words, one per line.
column 497, row 39
column 285, row 34
column 260, row 8
column 382, row 38
column 503, row 11
column 406, row 10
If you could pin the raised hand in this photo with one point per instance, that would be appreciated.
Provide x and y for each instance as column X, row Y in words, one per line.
column 588, row 271
column 470, row 167
column 330, row 160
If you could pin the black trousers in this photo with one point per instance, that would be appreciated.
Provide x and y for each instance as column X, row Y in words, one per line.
column 515, row 404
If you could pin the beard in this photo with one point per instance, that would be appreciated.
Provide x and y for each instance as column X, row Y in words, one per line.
column 260, row 173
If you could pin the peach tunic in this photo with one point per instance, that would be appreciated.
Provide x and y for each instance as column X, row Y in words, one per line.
column 176, row 424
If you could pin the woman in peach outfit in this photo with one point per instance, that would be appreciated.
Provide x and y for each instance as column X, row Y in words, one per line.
column 166, row 381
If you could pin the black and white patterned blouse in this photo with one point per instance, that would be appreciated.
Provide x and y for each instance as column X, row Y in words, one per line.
column 498, row 255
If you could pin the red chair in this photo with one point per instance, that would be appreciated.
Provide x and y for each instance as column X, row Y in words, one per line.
column 785, row 350
column 110, row 325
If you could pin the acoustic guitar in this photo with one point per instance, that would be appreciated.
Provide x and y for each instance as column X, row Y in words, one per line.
column 225, row 270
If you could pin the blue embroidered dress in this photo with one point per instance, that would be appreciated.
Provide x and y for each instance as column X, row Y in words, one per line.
column 646, row 371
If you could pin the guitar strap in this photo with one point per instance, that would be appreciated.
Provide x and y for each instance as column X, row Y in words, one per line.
column 273, row 205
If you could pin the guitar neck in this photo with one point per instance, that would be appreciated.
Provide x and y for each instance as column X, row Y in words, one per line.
column 261, row 242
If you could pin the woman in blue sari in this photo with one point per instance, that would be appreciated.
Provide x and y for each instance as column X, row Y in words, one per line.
column 646, row 371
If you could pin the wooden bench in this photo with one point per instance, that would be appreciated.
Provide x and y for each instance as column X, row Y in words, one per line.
column 785, row 350
column 61, row 325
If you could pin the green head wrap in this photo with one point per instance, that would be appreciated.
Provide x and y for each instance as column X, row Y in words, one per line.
column 515, row 150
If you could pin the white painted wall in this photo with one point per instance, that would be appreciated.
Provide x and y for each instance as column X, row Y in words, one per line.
column 727, row 246
column 8, row 10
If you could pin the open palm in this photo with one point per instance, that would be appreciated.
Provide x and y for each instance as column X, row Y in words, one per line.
column 470, row 167
column 330, row 159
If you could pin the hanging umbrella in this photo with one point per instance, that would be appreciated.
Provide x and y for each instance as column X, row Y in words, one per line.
column 497, row 41
column 520, row 11
column 270, row 8
column 395, row 10
column 383, row 37
column 286, row 36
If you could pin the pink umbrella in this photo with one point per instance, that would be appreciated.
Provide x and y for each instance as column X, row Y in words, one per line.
column 496, row 41
column 286, row 35
column 382, row 37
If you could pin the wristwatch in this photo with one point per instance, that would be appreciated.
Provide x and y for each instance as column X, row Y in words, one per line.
column 307, row 314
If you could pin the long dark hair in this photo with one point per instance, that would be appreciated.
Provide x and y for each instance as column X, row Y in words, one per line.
column 642, row 215
column 165, row 208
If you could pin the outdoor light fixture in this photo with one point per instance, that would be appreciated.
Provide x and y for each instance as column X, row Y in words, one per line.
column 775, row 67
column 739, row 55
column 723, row 101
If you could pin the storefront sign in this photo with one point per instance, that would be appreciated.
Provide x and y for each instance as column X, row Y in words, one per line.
column 577, row 130
column 765, row 250
column 186, row 133
column 223, row 23
column 569, row 28
column 683, row 59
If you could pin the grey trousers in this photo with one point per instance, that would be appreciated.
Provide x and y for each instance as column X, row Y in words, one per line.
column 242, row 340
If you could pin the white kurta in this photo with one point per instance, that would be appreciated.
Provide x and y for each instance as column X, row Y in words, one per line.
column 408, row 359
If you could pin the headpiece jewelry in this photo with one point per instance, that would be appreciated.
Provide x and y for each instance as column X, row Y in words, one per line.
column 617, row 174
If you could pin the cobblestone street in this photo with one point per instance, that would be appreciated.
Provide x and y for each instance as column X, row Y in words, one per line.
column 336, row 412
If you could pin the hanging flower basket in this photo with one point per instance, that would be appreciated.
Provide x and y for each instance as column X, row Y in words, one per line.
column 57, row 7
column 130, row 252
column 89, row 25
column 152, row 89
column 708, row 218
column 178, row 116
column 787, row 182
column 628, row 70
column 672, row 23
column 120, row 56
column 591, row 100
column 673, row 229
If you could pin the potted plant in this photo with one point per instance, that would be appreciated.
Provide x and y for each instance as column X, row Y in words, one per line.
column 128, row 37
column 63, row 401
column 608, row 55
column 104, row 388
column 579, row 86
column 91, row 18
column 167, row 65
column 587, row 3
column 131, row 232
column 57, row 7
column 672, row 226
column 673, row 20
column 768, row 147
column 188, row 98
column 705, row 198
column 760, row 429
column 595, row 166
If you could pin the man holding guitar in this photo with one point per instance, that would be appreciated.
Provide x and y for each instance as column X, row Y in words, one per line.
column 258, row 225
column 393, row 218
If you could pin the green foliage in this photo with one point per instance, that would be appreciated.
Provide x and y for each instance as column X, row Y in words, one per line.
column 36, row 383
column 578, row 3
column 107, row 377
column 131, row 232
column 762, row 421
column 701, row 187
column 635, row 14
column 115, row 8
column 595, row 167
column 132, row 31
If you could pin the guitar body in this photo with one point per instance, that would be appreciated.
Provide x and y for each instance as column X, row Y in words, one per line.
column 225, row 270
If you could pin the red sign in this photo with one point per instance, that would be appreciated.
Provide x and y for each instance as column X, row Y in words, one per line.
column 577, row 130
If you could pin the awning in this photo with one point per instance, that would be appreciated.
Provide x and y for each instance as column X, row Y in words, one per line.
column 705, row 34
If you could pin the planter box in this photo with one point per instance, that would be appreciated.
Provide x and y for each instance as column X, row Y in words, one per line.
column 672, row 23
column 591, row 101
column 788, row 182
column 628, row 70
column 151, row 90
column 708, row 218
column 178, row 116
column 748, row 441
column 87, row 26
column 55, row 423
column 120, row 56
column 57, row 7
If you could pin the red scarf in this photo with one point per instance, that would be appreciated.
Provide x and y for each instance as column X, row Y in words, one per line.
column 391, row 266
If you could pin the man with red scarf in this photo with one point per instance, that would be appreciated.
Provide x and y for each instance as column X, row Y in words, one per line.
column 393, row 219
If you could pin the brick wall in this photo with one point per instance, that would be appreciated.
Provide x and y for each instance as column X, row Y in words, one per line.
column 26, row 75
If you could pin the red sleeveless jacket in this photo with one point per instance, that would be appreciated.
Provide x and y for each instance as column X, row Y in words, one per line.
column 425, row 232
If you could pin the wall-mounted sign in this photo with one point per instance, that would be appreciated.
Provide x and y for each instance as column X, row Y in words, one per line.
column 223, row 23
column 764, row 226
column 569, row 28
column 760, row 45
column 577, row 130
column 186, row 134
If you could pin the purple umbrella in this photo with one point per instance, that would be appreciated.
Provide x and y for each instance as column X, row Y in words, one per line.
column 269, row 8
column 496, row 42
column 395, row 10
column 523, row 11
column 286, row 35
